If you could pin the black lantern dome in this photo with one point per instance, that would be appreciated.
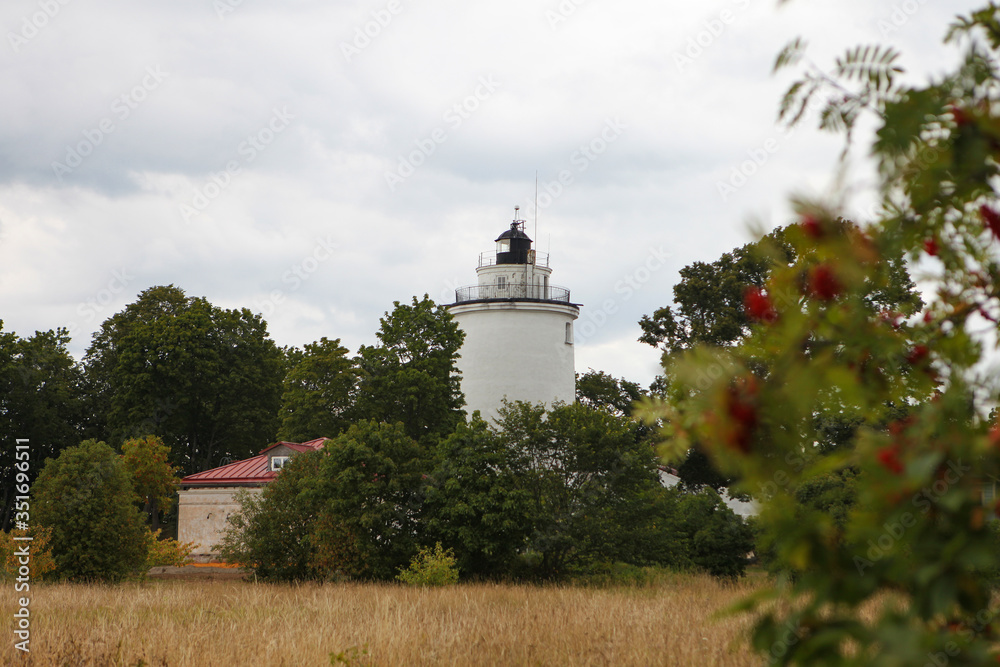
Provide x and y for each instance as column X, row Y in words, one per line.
column 514, row 246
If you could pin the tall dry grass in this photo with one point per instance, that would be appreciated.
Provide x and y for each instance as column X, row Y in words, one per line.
column 241, row 623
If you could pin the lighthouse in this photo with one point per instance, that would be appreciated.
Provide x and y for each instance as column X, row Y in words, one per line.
column 518, row 328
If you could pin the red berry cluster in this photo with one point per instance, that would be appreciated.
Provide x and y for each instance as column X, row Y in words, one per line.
column 757, row 305
column 959, row 115
column 991, row 218
column 741, row 408
column 823, row 283
column 917, row 355
column 888, row 457
column 812, row 227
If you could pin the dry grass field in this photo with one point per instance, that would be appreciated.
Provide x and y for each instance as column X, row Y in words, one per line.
column 239, row 623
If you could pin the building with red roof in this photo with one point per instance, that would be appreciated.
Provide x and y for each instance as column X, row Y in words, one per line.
column 206, row 499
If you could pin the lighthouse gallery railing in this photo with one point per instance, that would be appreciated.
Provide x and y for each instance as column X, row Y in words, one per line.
column 512, row 291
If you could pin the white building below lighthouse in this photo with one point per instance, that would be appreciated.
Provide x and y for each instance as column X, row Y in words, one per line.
column 518, row 329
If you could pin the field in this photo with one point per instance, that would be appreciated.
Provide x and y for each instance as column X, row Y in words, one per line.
column 243, row 623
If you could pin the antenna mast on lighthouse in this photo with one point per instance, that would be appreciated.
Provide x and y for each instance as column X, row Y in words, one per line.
column 536, row 205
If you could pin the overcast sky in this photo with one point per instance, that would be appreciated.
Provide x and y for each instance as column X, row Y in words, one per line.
column 316, row 161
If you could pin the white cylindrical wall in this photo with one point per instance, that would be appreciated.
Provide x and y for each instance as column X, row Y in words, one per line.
column 518, row 350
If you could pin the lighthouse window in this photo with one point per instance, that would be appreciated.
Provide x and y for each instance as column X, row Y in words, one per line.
column 503, row 245
column 501, row 282
column 569, row 333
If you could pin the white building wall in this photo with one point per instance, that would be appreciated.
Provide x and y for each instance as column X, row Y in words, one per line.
column 516, row 350
column 202, row 514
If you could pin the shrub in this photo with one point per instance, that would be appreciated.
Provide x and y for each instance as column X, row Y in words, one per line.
column 431, row 567
column 271, row 532
column 168, row 552
column 40, row 551
column 86, row 499
column 719, row 539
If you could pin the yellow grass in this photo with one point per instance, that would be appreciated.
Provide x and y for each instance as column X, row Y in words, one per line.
column 243, row 623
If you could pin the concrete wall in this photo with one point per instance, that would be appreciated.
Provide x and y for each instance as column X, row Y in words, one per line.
column 516, row 350
column 202, row 514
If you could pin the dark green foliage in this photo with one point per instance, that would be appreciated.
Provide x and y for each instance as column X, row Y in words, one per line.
column 86, row 499
column 597, row 389
column 475, row 501
column 206, row 380
column 272, row 532
column 708, row 300
column 368, row 491
column 39, row 401
column 719, row 540
column 318, row 392
column 410, row 376
column 587, row 477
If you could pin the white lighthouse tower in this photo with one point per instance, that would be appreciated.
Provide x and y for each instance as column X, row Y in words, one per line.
column 518, row 329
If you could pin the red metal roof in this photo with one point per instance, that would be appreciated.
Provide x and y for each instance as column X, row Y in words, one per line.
column 248, row 471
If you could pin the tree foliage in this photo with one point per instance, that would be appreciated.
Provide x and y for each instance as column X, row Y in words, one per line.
column 597, row 389
column 147, row 460
column 586, row 476
column 411, row 376
column 904, row 573
column 87, row 501
column 318, row 392
column 476, row 501
column 369, row 494
column 204, row 379
column 39, row 402
column 272, row 532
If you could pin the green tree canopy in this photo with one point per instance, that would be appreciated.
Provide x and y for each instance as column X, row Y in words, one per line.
column 411, row 376
column 39, row 401
column 711, row 309
column 318, row 392
column 86, row 498
column 476, row 502
column 598, row 389
column 204, row 379
column 369, row 494
column 586, row 475
column 147, row 460
column 273, row 532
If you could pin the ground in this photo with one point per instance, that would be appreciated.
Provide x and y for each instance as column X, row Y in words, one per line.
column 233, row 622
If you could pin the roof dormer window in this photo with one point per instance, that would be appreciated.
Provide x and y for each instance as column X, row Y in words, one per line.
column 278, row 462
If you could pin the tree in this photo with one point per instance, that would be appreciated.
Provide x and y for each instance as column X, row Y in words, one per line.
column 918, row 532
column 597, row 389
column 411, row 376
column 718, row 540
column 587, row 478
column 147, row 461
column 85, row 497
column 369, row 494
column 476, row 502
column 39, row 402
column 712, row 309
column 710, row 305
column 708, row 301
column 319, row 393
column 205, row 380
column 272, row 533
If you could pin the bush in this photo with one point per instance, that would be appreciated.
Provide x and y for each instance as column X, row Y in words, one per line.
column 719, row 539
column 86, row 499
column 168, row 552
column 271, row 532
column 40, row 551
column 431, row 567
